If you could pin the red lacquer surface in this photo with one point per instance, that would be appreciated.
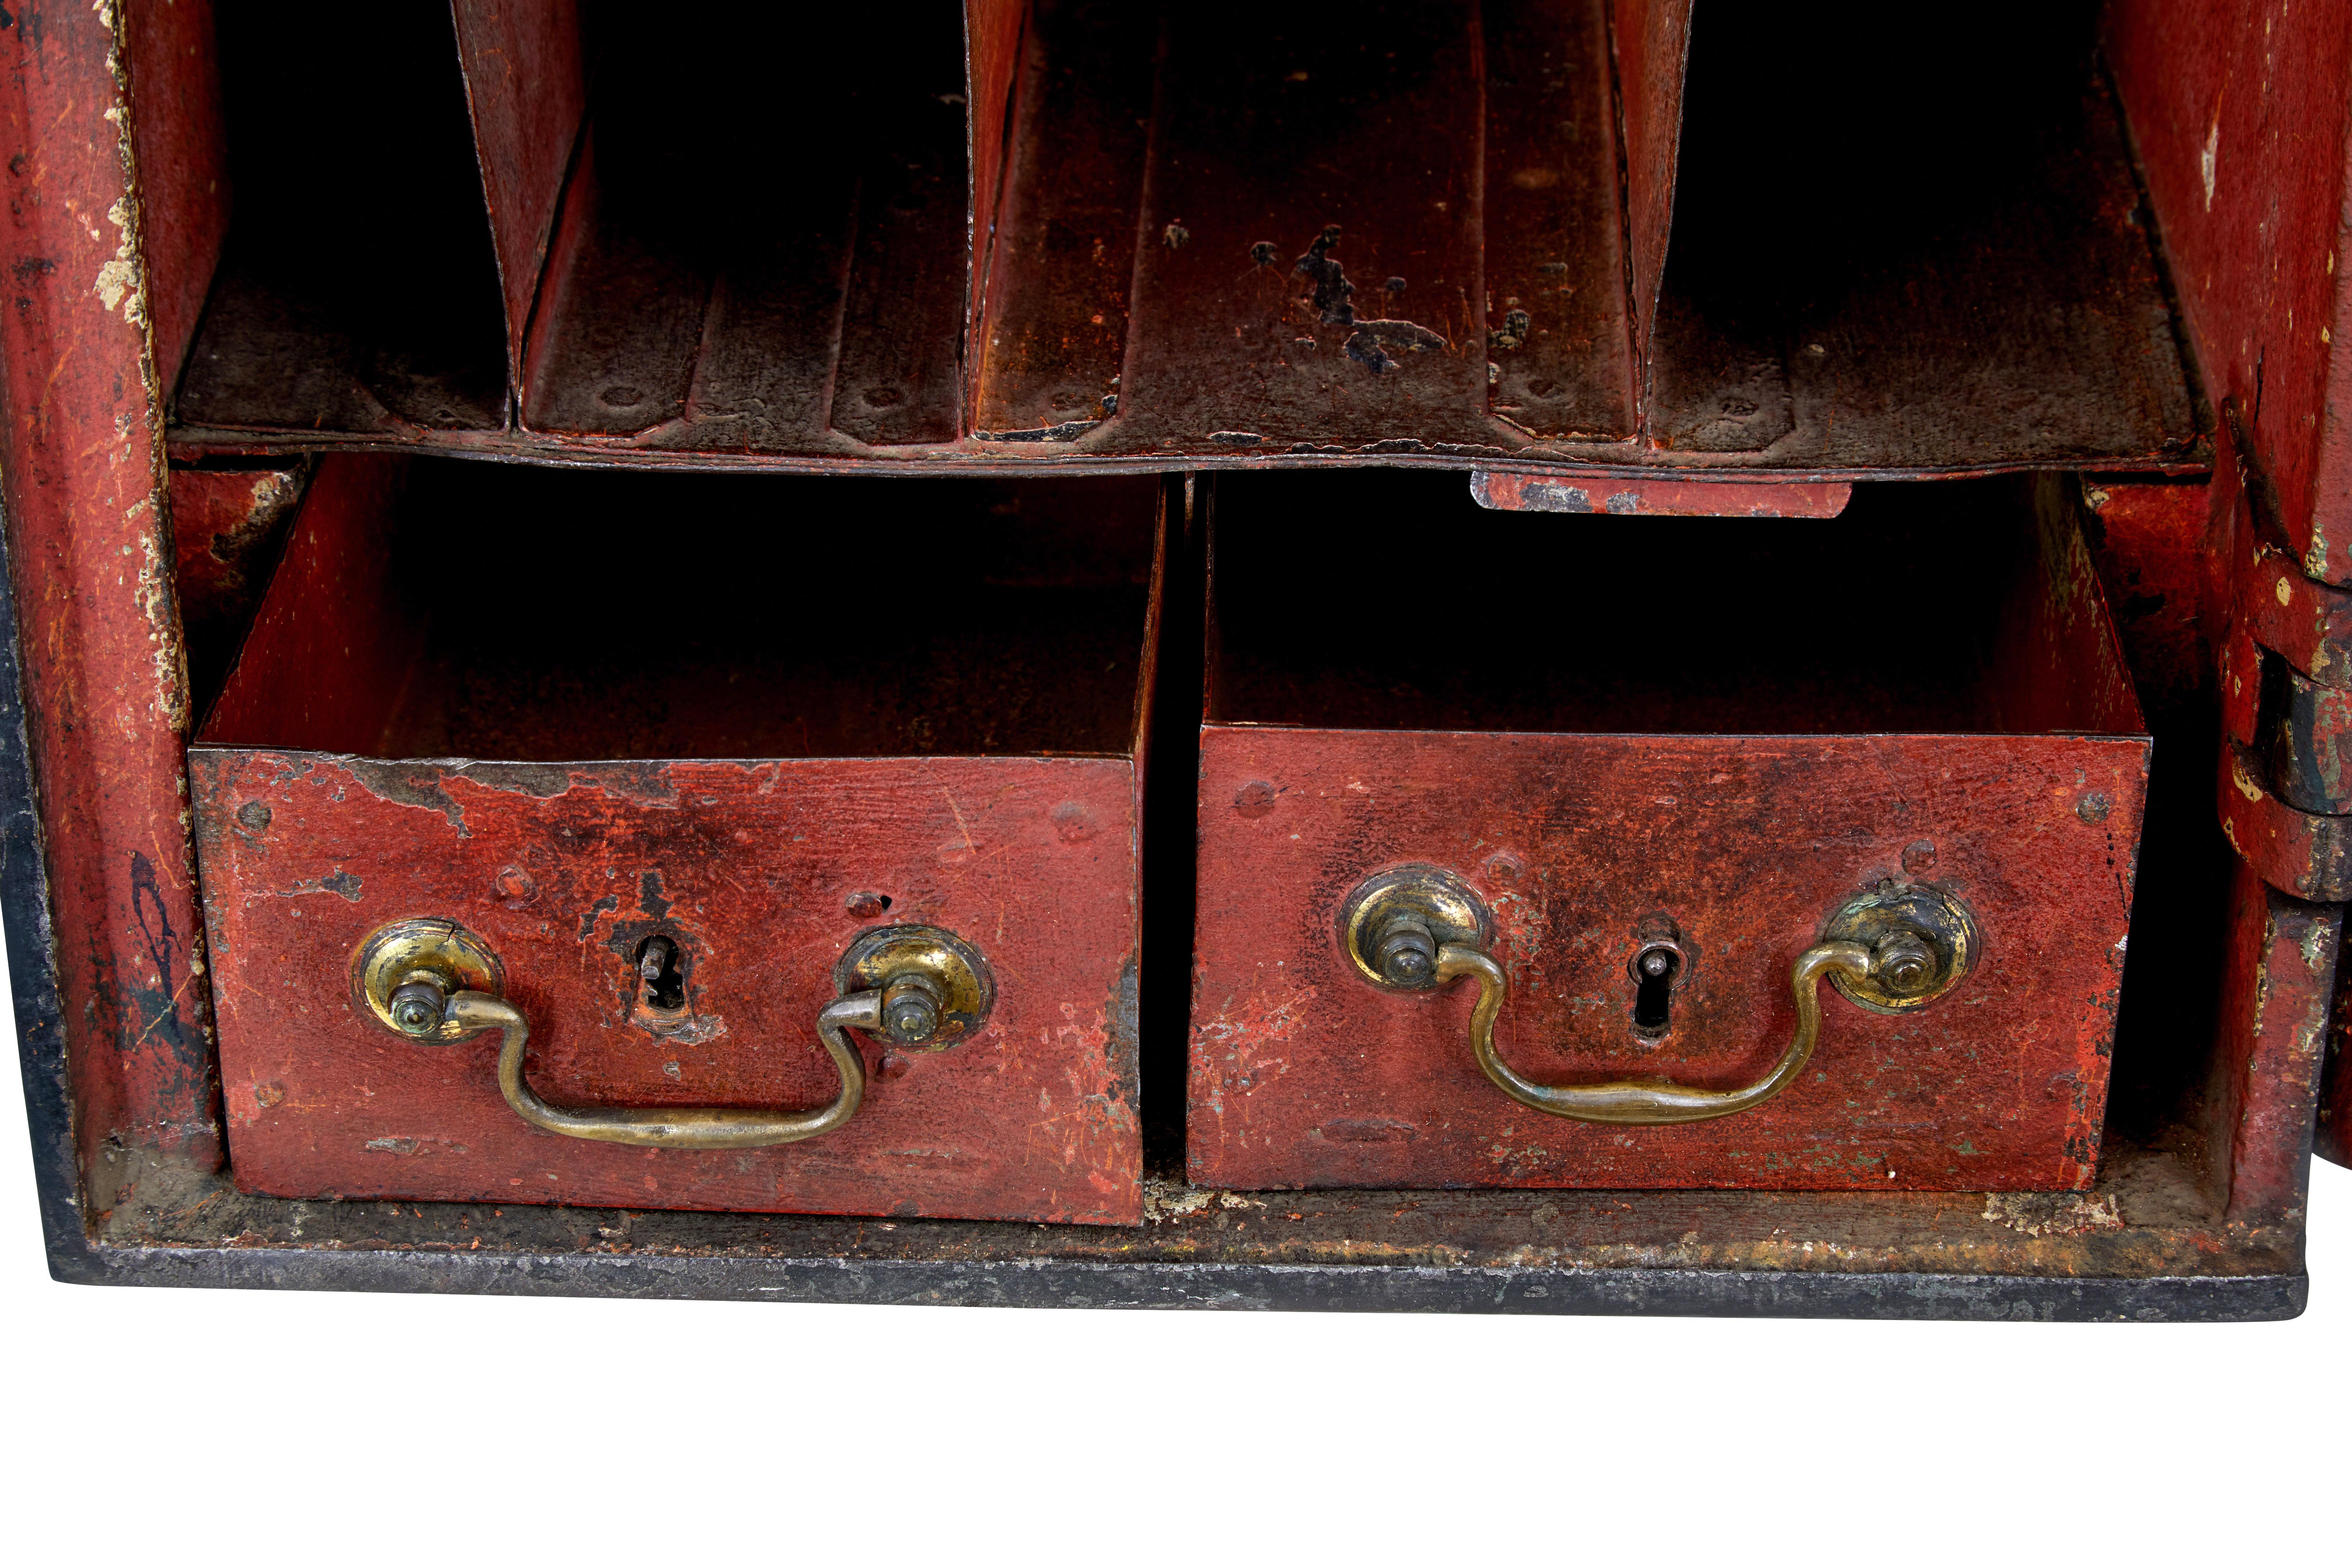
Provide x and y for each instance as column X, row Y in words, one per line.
column 1303, row 1074
column 763, row 873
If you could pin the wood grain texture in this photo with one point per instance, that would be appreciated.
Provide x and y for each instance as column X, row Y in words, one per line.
column 1341, row 308
column 754, row 870
column 1559, row 336
column 1303, row 1074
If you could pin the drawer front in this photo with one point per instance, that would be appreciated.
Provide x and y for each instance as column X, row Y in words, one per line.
column 761, row 875
column 1586, row 848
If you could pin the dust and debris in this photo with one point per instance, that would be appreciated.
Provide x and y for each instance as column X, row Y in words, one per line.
column 1369, row 342
column 2053, row 1213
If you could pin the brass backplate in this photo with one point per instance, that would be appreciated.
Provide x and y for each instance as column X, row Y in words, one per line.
column 886, row 953
column 1443, row 900
column 1944, row 921
column 453, row 956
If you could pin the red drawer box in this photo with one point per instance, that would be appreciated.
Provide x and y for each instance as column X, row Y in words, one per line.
column 484, row 699
column 1651, row 808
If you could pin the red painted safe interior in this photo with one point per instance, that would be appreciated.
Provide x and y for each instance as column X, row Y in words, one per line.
column 1730, row 726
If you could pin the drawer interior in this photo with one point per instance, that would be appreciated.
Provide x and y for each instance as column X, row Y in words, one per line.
column 1394, row 602
column 439, row 608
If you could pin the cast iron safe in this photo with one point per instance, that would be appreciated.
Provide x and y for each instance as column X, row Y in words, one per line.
column 604, row 643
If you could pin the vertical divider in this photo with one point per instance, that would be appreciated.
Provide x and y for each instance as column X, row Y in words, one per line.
column 527, row 95
column 1651, row 43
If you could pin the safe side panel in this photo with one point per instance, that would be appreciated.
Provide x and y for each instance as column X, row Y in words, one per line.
column 1302, row 1074
column 757, row 871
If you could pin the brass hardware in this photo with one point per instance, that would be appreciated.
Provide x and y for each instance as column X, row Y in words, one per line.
column 404, row 971
column 1934, row 945
column 432, row 979
column 1393, row 925
column 936, row 989
column 1920, row 944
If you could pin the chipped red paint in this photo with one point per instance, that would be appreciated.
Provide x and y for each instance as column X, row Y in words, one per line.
column 752, row 867
column 227, row 528
column 2278, row 982
column 2240, row 113
column 1305, row 1075
column 1658, row 497
column 106, row 702
column 2308, row 854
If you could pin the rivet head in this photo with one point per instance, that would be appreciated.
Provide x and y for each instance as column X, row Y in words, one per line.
column 1406, row 954
column 910, row 1009
column 418, row 1008
column 1905, row 963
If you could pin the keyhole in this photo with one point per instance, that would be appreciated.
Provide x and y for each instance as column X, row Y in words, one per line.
column 1654, row 998
column 657, row 967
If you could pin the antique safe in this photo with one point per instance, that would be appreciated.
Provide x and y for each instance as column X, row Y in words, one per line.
column 1542, row 655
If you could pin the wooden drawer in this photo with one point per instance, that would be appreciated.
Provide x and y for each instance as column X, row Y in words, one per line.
column 1701, row 746
column 487, row 696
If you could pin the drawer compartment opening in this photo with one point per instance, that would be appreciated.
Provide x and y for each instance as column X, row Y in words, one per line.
column 1654, row 776
column 356, row 290
column 669, row 749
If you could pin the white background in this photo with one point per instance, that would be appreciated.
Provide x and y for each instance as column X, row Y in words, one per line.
column 254, row 1426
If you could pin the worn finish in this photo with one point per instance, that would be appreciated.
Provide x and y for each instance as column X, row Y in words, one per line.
column 228, row 527
column 2160, row 560
column 2306, row 854
column 182, row 149
column 526, row 92
column 1968, row 273
column 1058, row 241
column 82, row 472
column 1658, row 497
column 2260, row 1103
column 752, row 868
column 1053, row 336
column 1302, row 1076
column 1346, row 311
column 1559, row 334
column 367, row 305
column 2242, row 116
column 1650, row 42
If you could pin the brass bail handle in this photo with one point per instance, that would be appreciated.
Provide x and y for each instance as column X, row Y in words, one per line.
column 1891, row 950
column 914, row 985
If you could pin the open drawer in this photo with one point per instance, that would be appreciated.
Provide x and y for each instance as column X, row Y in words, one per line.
column 1757, row 855
column 685, row 841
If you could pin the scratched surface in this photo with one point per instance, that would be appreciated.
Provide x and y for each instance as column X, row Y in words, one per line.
column 759, row 871
column 1304, row 1075
column 1700, row 745
column 2242, row 116
column 866, row 798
